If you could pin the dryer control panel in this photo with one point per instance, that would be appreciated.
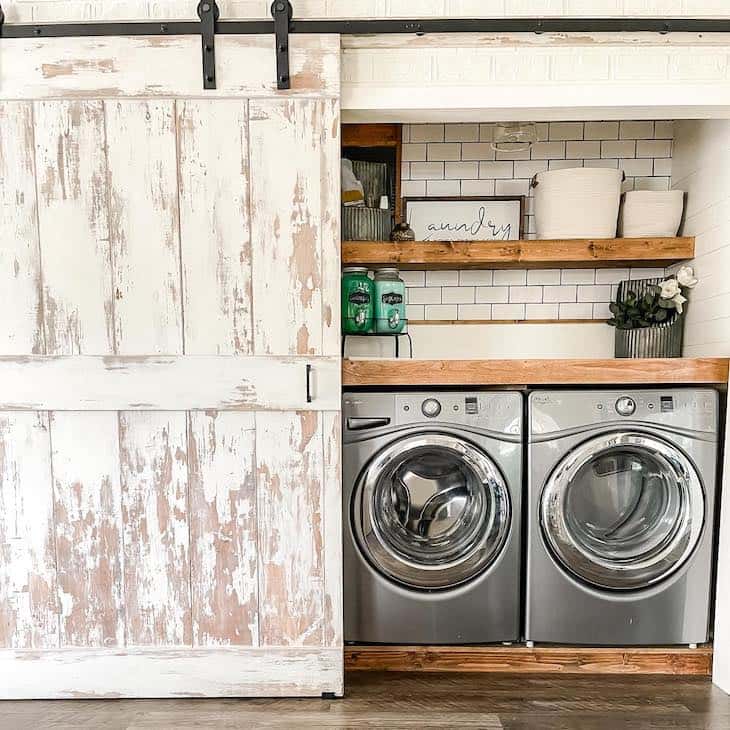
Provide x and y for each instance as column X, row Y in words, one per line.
column 685, row 408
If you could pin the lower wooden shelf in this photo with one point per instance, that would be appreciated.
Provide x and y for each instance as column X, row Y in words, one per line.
column 678, row 371
column 540, row 660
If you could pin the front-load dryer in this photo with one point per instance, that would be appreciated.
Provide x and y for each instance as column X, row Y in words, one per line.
column 620, row 504
column 432, row 490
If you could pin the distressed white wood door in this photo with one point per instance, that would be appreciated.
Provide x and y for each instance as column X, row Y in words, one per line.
column 169, row 281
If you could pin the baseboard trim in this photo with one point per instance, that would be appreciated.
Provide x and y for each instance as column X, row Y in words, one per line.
column 171, row 673
column 539, row 660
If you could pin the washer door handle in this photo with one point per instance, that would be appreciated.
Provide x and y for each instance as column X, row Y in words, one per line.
column 360, row 424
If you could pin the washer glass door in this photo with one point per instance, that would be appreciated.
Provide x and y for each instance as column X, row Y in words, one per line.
column 623, row 511
column 431, row 511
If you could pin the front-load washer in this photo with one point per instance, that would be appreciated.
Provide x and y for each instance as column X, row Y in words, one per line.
column 432, row 490
column 620, row 503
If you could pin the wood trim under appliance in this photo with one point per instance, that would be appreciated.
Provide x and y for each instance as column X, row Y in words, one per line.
column 542, row 660
column 571, row 253
column 676, row 371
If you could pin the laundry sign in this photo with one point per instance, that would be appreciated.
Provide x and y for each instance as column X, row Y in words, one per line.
column 495, row 218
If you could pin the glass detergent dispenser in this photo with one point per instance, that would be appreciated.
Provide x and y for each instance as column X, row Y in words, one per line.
column 390, row 302
column 358, row 294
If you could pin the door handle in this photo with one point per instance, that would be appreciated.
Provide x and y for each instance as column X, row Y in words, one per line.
column 309, row 383
column 360, row 424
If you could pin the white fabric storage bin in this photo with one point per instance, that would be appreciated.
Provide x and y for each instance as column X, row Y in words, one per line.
column 651, row 213
column 579, row 202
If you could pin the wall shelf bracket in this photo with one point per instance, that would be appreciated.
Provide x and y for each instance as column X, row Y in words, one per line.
column 282, row 12
column 208, row 12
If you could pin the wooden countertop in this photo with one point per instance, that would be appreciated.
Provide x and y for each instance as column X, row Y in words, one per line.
column 677, row 371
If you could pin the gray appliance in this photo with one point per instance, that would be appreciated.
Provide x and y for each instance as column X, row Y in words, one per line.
column 432, row 491
column 621, row 492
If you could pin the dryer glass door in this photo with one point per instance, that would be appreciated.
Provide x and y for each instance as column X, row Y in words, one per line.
column 623, row 511
column 431, row 511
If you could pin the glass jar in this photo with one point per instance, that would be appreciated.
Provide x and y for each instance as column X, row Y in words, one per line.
column 357, row 301
column 390, row 302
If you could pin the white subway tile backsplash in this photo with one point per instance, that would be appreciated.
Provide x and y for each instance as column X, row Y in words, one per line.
column 475, row 311
column 654, row 148
column 426, row 133
column 413, row 278
column 424, row 295
column 594, row 293
column 583, row 150
column 438, row 188
column 427, row 170
column 636, row 130
column 457, row 159
column 458, row 295
column 601, row 130
column 512, row 152
column 525, row 294
column 475, row 277
column 565, row 130
column 578, row 276
column 492, row 294
column 461, row 170
column 442, row 278
column 496, row 170
column 537, row 277
column 508, row 311
column 576, row 311
column 622, row 148
column 611, row 276
column 562, row 293
column 510, row 277
column 442, row 311
column 541, row 311
column 477, row 187
column 548, row 151
column 461, row 133
column 443, row 151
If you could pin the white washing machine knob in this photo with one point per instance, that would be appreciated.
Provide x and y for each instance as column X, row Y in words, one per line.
column 430, row 408
column 625, row 406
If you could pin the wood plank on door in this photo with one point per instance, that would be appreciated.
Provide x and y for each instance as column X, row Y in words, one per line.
column 291, row 574
column 21, row 324
column 223, row 528
column 88, row 516
column 154, row 481
column 214, row 226
column 74, row 227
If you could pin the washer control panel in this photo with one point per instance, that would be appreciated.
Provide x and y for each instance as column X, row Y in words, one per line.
column 686, row 408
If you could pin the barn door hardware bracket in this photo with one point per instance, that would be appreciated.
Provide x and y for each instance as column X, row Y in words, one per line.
column 208, row 12
column 282, row 12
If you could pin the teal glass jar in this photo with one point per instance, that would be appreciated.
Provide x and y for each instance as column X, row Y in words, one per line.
column 390, row 302
column 358, row 299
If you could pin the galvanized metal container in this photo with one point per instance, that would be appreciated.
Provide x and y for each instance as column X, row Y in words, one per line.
column 375, row 181
column 663, row 340
column 365, row 224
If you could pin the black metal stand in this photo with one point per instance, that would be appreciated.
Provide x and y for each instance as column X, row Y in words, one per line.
column 396, row 340
column 283, row 24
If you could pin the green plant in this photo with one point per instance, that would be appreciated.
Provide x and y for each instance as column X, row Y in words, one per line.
column 645, row 311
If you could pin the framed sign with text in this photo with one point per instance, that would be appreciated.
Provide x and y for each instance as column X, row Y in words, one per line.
column 488, row 218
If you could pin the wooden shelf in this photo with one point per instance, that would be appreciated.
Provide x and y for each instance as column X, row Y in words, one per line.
column 679, row 371
column 548, row 659
column 613, row 252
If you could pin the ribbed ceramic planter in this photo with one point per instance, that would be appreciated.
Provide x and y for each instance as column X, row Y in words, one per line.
column 664, row 340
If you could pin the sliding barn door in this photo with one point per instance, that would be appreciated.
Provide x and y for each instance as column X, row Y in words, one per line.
column 169, row 371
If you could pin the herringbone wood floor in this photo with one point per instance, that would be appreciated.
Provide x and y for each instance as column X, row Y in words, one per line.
column 399, row 700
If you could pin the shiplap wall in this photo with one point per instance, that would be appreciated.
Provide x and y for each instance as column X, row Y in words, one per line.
column 172, row 522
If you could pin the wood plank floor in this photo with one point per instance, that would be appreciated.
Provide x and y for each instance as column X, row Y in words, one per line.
column 402, row 700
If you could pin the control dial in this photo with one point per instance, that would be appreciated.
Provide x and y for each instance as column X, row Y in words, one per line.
column 430, row 408
column 625, row 406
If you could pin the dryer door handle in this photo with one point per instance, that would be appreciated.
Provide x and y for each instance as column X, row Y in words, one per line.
column 360, row 424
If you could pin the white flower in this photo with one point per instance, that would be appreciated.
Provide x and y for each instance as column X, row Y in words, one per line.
column 686, row 277
column 679, row 300
column 670, row 289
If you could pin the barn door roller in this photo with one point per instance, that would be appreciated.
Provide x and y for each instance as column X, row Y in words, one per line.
column 283, row 24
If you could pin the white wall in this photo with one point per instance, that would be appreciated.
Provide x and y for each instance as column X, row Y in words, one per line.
column 701, row 167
